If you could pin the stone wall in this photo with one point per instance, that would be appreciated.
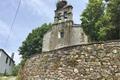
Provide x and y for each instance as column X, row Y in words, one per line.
column 95, row 61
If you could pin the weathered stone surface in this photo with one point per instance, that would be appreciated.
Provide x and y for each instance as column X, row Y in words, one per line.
column 98, row 61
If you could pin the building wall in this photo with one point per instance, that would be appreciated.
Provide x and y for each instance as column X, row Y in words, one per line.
column 78, row 36
column 46, row 41
column 72, row 36
column 93, row 61
column 5, row 66
column 56, row 41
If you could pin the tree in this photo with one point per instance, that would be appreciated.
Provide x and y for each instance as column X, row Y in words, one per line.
column 33, row 42
column 16, row 70
column 104, row 26
column 90, row 19
column 114, row 10
column 96, row 21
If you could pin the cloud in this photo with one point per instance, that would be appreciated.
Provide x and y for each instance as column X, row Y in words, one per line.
column 40, row 7
column 4, row 33
column 78, row 8
column 4, row 30
column 45, row 8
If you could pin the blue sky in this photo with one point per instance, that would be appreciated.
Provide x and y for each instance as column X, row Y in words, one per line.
column 32, row 13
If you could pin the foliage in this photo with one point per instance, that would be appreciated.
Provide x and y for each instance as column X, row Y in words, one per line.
column 15, row 70
column 90, row 16
column 114, row 10
column 99, row 22
column 33, row 42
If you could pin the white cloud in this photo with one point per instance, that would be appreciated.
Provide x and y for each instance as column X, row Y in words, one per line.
column 17, row 58
column 45, row 8
column 4, row 33
column 4, row 30
column 40, row 7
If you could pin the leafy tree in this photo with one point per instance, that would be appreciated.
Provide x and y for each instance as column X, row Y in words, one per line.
column 15, row 70
column 101, row 22
column 104, row 26
column 114, row 10
column 90, row 16
column 33, row 42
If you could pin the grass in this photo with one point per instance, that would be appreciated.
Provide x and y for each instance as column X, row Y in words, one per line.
column 8, row 78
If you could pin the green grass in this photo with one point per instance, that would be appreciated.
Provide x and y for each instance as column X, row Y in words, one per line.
column 8, row 78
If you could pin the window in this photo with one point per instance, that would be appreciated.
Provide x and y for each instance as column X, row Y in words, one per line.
column 0, row 54
column 59, row 19
column 82, row 36
column 61, row 34
column 10, row 63
column 65, row 15
column 59, row 16
column 7, row 60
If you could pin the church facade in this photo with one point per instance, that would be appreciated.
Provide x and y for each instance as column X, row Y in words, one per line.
column 64, row 32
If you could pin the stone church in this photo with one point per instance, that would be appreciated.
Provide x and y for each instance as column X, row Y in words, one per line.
column 64, row 32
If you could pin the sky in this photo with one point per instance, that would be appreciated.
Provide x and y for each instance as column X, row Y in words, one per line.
column 31, row 14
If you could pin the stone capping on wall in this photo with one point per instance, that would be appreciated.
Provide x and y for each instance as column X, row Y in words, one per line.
column 67, row 47
column 90, row 43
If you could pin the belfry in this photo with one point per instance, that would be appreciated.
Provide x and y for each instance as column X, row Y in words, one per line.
column 63, row 11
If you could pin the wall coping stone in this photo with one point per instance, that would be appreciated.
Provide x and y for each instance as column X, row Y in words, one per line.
column 67, row 47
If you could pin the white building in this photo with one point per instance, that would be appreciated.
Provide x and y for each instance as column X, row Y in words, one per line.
column 6, row 63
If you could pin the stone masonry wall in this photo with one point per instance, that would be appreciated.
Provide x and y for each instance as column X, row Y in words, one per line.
column 95, row 61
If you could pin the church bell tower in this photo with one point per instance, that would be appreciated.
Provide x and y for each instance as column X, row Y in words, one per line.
column 62, row 26
column 63, row 12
